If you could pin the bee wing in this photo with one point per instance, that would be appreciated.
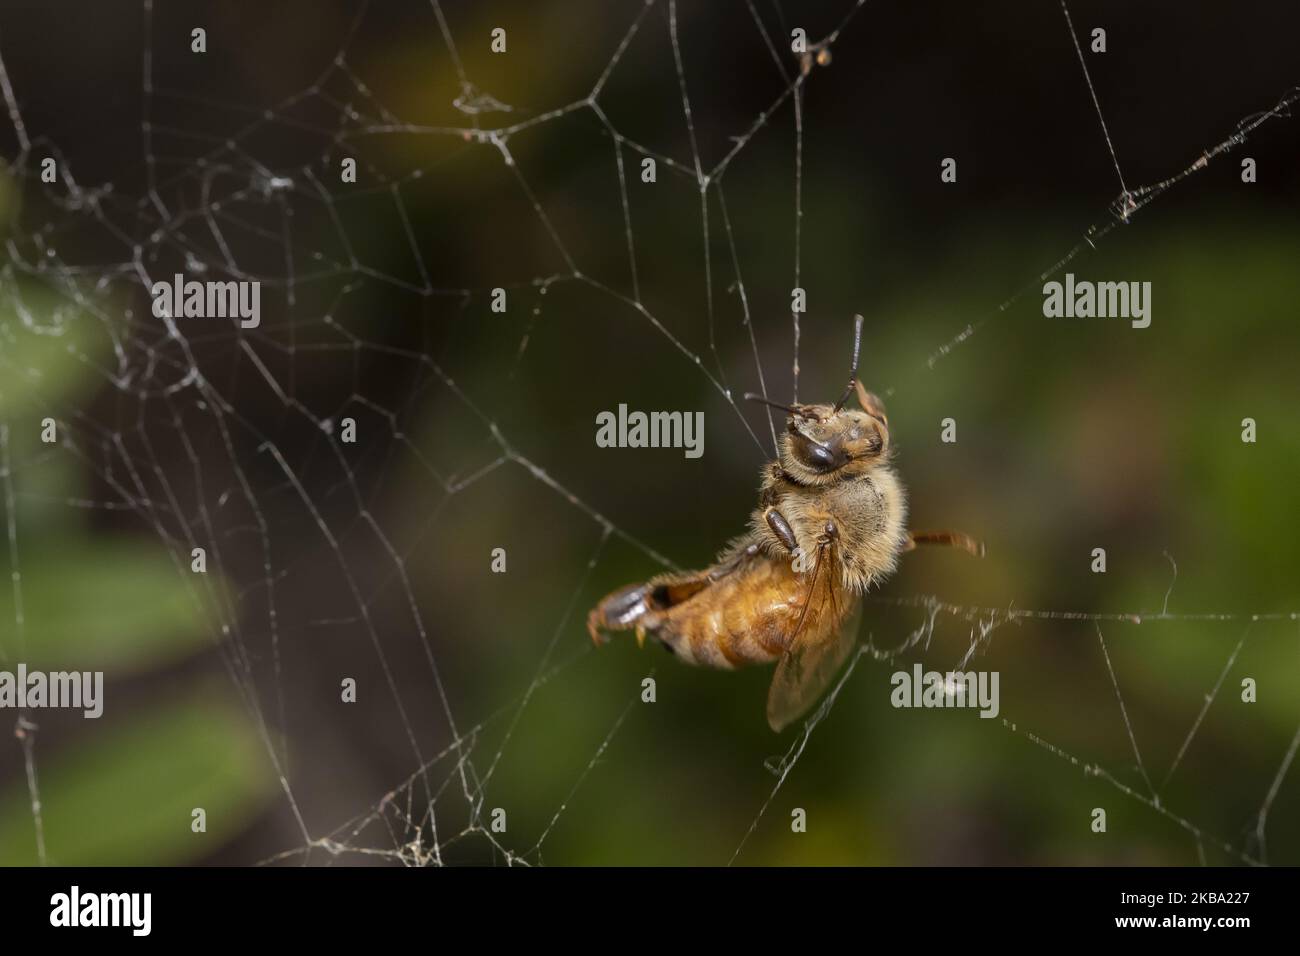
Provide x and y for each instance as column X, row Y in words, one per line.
column 806, row 670
column 824, row 637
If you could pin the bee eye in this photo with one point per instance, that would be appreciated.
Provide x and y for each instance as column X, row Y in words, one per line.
column 820, row 456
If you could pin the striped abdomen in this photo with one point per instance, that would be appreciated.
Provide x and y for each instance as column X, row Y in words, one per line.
column 723, row 618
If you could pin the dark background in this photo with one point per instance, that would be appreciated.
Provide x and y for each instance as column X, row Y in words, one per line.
column 476, row 427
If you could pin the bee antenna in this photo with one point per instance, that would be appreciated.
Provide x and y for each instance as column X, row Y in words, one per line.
column 853, row 372
column 751, row 397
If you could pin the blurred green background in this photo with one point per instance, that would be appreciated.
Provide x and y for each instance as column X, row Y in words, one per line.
column 371, row 560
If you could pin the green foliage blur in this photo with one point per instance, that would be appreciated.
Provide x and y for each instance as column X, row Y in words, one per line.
column 121, row 789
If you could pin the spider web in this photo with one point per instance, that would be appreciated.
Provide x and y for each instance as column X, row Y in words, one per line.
column 225, row 438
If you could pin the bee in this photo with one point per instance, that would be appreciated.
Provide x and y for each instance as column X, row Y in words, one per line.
column 831, row 523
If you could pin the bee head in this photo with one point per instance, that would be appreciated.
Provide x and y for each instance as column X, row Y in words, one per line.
column 827, row 443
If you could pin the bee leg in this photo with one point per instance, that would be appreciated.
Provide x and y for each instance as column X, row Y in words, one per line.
column 723, row 568
column 871, row 404
column 952, row 539
column 781, row 528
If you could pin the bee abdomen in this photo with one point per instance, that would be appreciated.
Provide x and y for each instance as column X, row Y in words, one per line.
column 745, row 618
column 743, row 615
column 725, row 638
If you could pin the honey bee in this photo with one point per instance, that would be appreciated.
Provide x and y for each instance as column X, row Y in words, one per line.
column 830, row 523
